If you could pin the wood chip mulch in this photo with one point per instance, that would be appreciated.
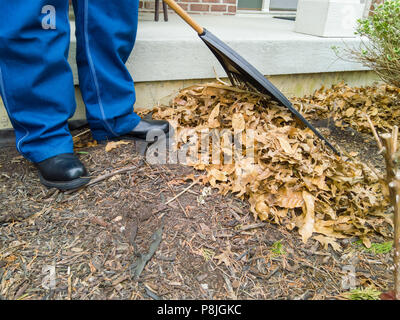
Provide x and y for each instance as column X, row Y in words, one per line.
column 118, row 239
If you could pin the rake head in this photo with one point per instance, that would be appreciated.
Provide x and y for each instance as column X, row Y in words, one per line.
column 243, row 75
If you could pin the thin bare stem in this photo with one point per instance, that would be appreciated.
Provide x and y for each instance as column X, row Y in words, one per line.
column 393, row 181
column 378, row 141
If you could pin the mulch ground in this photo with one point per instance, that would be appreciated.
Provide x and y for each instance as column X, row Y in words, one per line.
column 117, row 239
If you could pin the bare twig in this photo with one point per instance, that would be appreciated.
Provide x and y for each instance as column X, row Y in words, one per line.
column 102, row 177
column 181, row 193
column 395, row 136
column 218, row 78
column 378, row 141
column 108, row 175
column 393, row 180
column 231, row 88
column 70, row 287
column 169, row 187
column 81, row 133
column 252, row 226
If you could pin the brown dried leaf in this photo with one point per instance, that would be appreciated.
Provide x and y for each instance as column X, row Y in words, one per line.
column 307, row 224
column 326, row 241
column 213, row 118
column 238, row 122
column 115, row 144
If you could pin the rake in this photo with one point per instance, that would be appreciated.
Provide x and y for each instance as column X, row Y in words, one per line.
column 241, row 73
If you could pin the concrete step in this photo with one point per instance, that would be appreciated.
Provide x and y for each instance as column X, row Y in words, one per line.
column 166, row 51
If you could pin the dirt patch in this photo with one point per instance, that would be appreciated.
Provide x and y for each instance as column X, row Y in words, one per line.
column 211, row 246
column 362, row 145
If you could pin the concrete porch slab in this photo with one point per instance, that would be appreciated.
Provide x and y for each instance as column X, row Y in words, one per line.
column 166, row 51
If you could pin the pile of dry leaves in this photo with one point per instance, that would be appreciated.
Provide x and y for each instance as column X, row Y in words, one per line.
column 351, row 105
column 295, row 180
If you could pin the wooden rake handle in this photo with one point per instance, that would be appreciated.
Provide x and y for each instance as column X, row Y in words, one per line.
column 183, row 14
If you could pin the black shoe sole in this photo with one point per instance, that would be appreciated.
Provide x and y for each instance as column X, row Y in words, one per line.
column 131, row 138
column 65, row 185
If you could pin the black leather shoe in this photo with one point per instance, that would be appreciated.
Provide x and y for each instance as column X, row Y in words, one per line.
column 64, row 171
column 148, row 130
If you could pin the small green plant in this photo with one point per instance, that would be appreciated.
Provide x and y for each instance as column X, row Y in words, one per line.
column 369, row 293
column 207, row 254
column 381, row 248
column 376, row 248
column 381, row 51
column 277, row 248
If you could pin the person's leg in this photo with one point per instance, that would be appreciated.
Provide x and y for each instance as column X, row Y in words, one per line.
column 106, row 32
column 36, row 82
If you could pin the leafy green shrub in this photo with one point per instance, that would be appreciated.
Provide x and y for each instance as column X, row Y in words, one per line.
column 382, row 52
